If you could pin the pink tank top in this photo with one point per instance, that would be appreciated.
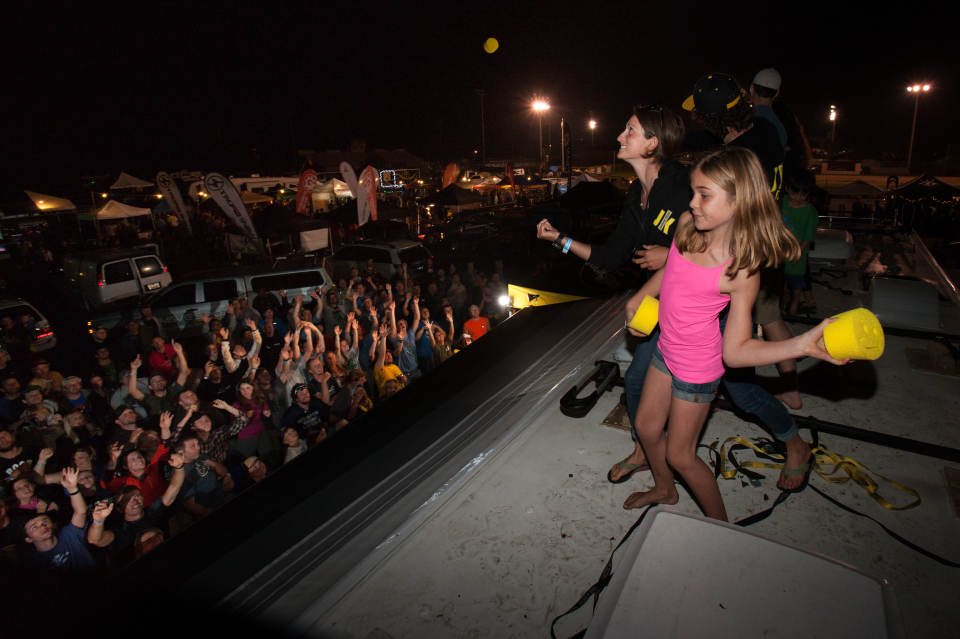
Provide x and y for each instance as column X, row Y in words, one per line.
column 690, row 303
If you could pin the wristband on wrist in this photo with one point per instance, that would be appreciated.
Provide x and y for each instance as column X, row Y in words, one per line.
column 76, row 492
column 566, row 247
column 43, row 463
column 99, row 522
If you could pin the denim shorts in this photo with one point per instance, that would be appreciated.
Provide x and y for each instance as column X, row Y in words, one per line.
column 686, row 391
column 795, row 282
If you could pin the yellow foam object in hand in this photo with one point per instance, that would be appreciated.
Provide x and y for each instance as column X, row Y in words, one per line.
column 646, row 317
column 856, row 334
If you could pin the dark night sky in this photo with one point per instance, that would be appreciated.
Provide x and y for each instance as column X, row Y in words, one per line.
column 102, row 87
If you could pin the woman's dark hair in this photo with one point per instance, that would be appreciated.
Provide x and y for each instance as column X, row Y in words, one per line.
column 665, row 125
column 799, row 180
column 124, row 458
column 739, row 117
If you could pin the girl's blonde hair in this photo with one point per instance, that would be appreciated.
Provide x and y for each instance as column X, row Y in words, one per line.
column 759, row 237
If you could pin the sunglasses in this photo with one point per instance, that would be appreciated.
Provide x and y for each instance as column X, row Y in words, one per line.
column 658, row 108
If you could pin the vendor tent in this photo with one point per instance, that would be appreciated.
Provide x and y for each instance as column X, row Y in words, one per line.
column 347, row 214
column 254, row 198
column 858, row 188
column 927, row 186
column 114, row 210
column 452, row 195
column 324, row 196
column 126, row 181
column 50, row 203
column 583, row 177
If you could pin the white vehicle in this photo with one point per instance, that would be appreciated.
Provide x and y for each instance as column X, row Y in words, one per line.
column 37, row 333
column 180, row 307
column 100, row 277
column 254, row 184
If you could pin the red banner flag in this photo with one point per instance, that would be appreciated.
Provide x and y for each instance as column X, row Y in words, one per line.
column 450, row 175
column 308, row 180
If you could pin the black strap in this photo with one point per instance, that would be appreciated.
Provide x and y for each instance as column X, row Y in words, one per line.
column 763, row 514
column 906, row 542
column 595, row 590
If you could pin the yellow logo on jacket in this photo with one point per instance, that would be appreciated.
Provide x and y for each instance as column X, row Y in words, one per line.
column 664, row 220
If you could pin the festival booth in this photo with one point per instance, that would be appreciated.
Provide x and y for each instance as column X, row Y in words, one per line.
column 278, row 225
column 325, row 196
column 859, row 191
column 127, row 181
column 917, row 200
column 255, row 198
column 457, row 198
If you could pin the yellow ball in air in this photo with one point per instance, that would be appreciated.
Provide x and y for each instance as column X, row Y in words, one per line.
column 490, row 45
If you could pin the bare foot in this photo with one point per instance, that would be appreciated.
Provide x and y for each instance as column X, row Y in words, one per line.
column 655, row 496
column 619, row 471
column 791, row 399
column 798, row 454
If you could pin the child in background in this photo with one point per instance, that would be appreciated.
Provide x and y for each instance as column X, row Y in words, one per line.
column 734, row 228
column 801, row 218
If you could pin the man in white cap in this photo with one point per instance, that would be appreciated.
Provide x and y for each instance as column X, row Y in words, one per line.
column 766, row 87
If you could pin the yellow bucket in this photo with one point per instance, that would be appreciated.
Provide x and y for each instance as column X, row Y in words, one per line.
column 646, row 317
column 856, row 334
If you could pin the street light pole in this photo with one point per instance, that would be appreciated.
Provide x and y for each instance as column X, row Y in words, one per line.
column 833, row 130
column 483, row 138
column 540, row 106
column 593, row 125
column 916, row 105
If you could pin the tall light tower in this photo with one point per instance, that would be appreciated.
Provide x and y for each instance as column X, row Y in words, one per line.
column 833, row 131
column 539, row 106
column 483, row 136
column 593, row 125
column 915, row 89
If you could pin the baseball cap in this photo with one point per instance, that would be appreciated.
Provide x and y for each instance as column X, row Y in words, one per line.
column 715, row 93
column 296, row 389
column 250, row 461
column 32, row 387
column 767, row 78
column 72, row 378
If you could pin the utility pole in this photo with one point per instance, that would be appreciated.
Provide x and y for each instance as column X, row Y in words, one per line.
column 483, row 138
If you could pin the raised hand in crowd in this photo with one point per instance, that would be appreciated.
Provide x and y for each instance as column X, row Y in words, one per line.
column 225, row 334
column 135, row 365
column 177, row 347
column 249, row 323
column 206, row 316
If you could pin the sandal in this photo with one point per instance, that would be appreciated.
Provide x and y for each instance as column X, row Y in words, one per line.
column 625, row 465
column 799, row 470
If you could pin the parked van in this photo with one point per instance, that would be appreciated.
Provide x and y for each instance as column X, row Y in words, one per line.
column 180, row 307
column 388, row 257
column 28, row 323
column 108, row 275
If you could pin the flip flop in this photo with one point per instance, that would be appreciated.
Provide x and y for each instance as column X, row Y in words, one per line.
column 799, row 470
column 625, row 465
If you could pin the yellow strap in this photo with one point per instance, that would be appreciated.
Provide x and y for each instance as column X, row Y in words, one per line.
column 823, row 458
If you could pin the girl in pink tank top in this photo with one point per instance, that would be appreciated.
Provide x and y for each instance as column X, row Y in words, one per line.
column 734, row 228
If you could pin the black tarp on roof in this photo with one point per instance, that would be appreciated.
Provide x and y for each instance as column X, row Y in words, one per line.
column 347, row 214
column 927, row 186
column 453, row 195
column 277, row 220
column 592, row 195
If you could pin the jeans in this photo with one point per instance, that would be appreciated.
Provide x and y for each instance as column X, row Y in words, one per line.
column 741, row 385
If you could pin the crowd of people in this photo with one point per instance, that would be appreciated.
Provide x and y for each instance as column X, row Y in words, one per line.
column 101, row 464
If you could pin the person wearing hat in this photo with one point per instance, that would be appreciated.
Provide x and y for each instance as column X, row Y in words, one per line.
column 50, row 381
column 305, row 413
column 121, row 396
column 73, row 396
column 257, row 471
column 722, row 107
column 40, row 422
column 763, row 90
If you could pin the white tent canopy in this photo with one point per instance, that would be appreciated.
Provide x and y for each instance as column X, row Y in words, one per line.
column 338, row 187
column 126, row 181
column 50, row 203
column 115, row 210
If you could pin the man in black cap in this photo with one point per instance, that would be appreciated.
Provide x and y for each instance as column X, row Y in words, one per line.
column 720, row 105
column 305, row 413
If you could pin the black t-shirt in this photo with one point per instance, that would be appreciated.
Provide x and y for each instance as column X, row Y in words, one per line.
column 304, row 419
column 209, row 391
column 764, row 140
column 7, row 466
column 125, row 532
